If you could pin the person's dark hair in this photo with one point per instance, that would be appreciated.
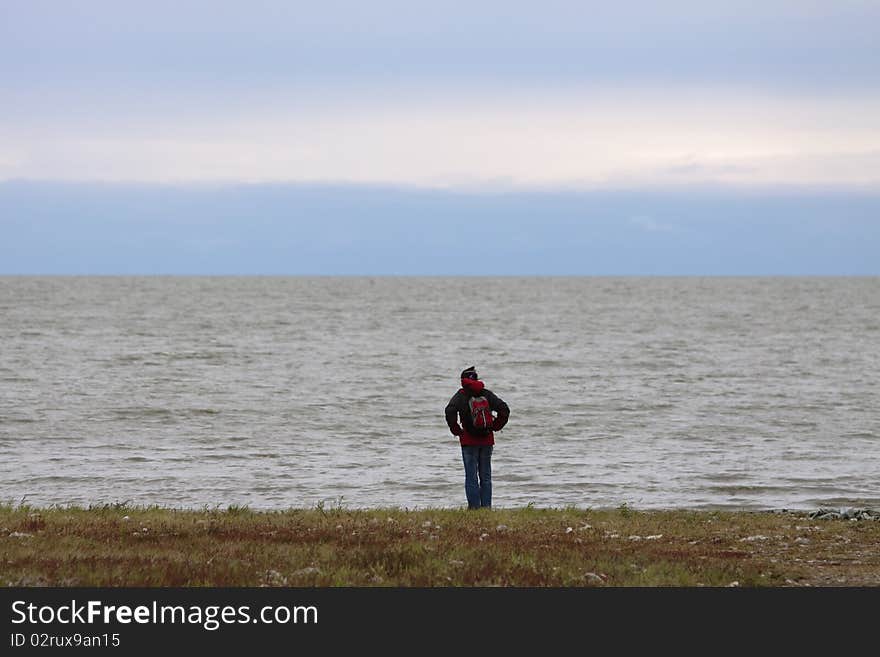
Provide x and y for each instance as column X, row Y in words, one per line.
column 469, row 373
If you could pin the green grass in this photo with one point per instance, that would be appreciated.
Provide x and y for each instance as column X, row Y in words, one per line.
column 120, row 545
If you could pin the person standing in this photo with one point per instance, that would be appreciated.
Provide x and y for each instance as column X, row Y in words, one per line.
column 474, row 414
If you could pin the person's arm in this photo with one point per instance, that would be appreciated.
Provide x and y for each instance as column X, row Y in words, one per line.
column 452, row 417
column 502, row 411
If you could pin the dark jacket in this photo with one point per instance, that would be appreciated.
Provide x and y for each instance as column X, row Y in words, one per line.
column 457, row 410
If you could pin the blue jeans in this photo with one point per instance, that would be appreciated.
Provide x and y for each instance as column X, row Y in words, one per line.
column 477, row 475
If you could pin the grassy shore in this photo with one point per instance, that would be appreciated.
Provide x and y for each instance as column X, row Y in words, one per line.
column 132, row 546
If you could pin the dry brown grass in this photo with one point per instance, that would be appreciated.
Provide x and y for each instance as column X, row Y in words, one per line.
column 122, row 546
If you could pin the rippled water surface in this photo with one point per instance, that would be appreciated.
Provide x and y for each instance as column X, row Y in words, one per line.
column 279, row 392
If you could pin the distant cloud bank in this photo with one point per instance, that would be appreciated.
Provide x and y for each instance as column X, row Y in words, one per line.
column 600, row 138
column 281, row 229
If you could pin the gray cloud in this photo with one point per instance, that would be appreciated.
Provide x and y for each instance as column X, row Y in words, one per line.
column 776, row 43
column 558, row 92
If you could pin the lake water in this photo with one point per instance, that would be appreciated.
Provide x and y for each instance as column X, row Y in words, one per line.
column 746, row 393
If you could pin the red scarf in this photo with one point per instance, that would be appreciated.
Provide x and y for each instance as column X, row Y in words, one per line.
column 472, row 385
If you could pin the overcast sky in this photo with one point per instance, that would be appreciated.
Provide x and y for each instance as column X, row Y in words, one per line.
column 513, row 100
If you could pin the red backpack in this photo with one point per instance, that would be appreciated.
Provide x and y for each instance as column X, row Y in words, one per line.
column 481, row 415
